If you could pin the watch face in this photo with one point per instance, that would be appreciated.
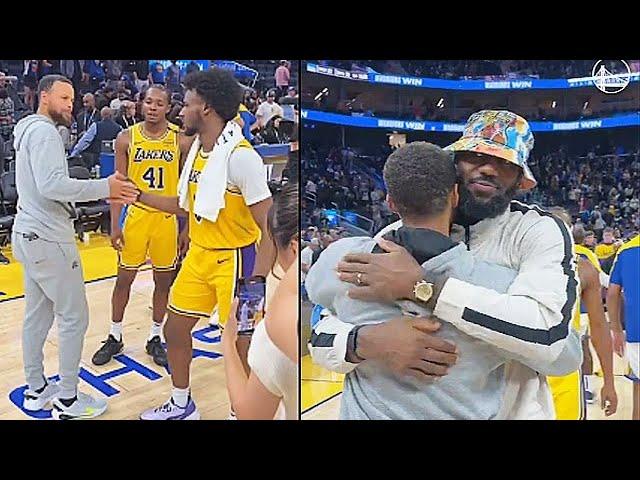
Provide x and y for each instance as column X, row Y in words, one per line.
column 424, row 291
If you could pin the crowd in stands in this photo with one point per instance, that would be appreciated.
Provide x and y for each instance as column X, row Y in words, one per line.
column 109, row 96
column 599, row 187
column 119, row 86
column 342, row 179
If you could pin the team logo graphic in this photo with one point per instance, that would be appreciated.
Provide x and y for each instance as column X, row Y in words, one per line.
column 611, row 76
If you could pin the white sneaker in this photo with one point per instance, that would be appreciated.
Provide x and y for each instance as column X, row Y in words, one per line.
column 232, row 415
column 84, row 407
column 37, row 401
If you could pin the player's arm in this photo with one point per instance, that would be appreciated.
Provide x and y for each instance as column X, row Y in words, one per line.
column 185, row 143
column 247, row 171
column 255, row 125
column 122, row 166
column 530, row 319
column 600, row 333
column 614, row 306
column 266, row 249
column 166, row 204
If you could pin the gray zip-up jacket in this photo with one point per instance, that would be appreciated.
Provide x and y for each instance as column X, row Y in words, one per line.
column 530, row 321
column 45, row 191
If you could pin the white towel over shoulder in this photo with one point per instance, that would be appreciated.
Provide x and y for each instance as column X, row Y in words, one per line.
column 213, row 179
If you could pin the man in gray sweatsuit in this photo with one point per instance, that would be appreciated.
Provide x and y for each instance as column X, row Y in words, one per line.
column 474, row 387
column 43, row 241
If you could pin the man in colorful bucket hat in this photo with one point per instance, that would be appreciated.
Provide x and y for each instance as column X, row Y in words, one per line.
column 531, row 321
column 501, row 134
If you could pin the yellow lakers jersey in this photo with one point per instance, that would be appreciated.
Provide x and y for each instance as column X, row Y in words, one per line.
column 154, row 164
column 234, row 227
column 583, row 251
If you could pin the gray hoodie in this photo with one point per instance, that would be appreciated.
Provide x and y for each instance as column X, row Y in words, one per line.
column 45, row 191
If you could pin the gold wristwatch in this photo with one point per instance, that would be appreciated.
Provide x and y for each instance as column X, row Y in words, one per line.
column 423, row 291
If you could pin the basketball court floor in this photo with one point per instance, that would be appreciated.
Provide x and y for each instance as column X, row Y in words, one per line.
column 131, row 382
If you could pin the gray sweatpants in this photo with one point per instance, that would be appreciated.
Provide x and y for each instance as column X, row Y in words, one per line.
column 53, row 286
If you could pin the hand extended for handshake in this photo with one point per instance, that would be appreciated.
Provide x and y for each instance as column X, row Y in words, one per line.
column 121, row 190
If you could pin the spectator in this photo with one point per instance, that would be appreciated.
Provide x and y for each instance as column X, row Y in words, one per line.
column 72, row 69
column 606, row 250
column 113, row 69
column 93, row 74
column 248, row 100
column 267, row 110
column 65, row 134
column 156, row 75
column 127, row 116
column 140, row 84
column 589, row 239
column 89, row 114
column 7, row 110
column 306, row 257
column 192, row 67
column 30, row 81
column 292, row 93
column 172, row 77
column 598, row 224
column 282, row 77
column 91, row 142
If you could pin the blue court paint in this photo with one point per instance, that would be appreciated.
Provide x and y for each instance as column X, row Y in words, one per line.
column 208, row 335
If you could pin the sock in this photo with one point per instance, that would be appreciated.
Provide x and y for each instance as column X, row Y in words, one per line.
column 180, row 396
column 67, row 402
column 116, row 330
column 586, row 383
column 156, row 330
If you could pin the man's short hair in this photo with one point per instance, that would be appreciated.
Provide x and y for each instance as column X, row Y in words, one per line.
column 46, row 82
column 158, row 86
column 106, row 112
column 607, row 230
column 579, row 234
column 419, row 177
column 218, row 88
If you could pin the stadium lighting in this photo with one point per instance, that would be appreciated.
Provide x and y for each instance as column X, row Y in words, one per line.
column 322, row 93
column 586, row 104
column 440, row 103
column 553, row 104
